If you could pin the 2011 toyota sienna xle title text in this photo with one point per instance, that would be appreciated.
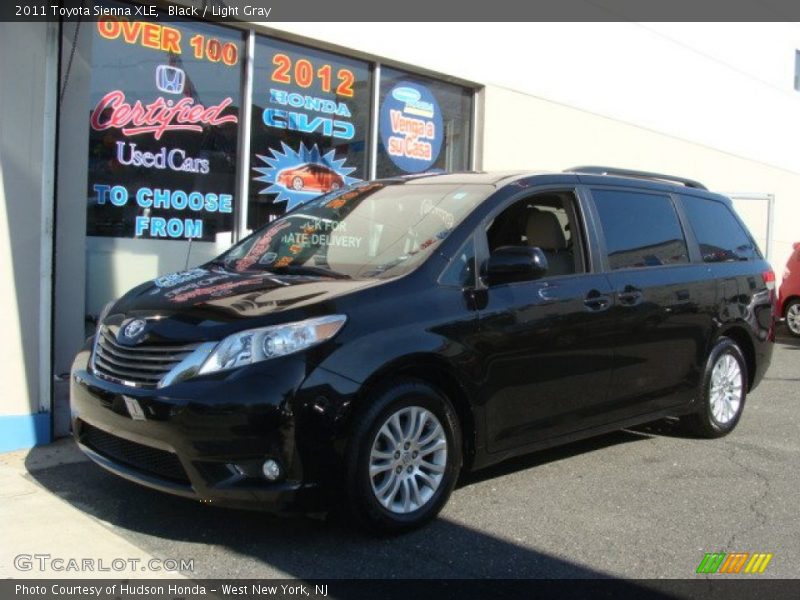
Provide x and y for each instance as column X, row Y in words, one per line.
column 367, row 347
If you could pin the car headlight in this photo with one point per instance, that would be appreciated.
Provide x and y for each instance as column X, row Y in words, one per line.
column 254, row 345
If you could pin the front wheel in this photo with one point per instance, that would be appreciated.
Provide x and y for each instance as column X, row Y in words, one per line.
column 792, row 314
column 722, row 392
column 404, row 457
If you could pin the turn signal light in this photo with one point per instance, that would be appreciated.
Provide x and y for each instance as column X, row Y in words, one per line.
column 769, row 279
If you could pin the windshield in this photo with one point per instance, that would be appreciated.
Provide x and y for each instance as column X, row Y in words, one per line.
column 370, row 230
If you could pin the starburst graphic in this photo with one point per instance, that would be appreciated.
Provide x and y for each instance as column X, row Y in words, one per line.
column 290, row 179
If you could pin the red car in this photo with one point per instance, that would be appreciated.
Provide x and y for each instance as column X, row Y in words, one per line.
column 789, row 293
column 310, row 177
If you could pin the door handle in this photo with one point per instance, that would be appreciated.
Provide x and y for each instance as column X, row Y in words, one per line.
column 630, row 295
column 597, row 301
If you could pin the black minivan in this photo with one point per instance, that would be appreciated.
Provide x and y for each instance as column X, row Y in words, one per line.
column 368, row 346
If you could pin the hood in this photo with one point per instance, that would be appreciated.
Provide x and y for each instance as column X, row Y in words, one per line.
column 214, row 296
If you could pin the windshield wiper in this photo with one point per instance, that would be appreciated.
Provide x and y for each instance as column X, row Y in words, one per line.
column 308, row 270
column 218, row 262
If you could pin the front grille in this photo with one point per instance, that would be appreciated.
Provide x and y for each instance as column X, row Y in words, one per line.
column 142, row 458
column 140, row 366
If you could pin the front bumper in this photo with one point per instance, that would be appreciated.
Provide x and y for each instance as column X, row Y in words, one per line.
column 207, row 438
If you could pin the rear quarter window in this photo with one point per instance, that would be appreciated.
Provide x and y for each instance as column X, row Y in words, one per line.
column 719, row 233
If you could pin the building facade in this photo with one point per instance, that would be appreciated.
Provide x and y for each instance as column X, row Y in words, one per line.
column 133, row 149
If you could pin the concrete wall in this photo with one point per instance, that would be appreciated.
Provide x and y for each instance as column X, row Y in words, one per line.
column 26, row 145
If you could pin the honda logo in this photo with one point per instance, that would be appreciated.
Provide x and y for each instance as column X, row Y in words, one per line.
column 170, row 80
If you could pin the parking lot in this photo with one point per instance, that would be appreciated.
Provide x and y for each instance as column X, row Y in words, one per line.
column 646, row 503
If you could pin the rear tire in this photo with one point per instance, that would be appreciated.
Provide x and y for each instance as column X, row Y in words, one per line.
column 792, row 314
column 722, row 392
column 403, row 458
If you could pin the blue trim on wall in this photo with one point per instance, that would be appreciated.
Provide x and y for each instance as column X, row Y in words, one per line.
column 23, row 431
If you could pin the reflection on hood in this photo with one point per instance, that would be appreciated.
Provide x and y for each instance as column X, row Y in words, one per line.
column 218, row 290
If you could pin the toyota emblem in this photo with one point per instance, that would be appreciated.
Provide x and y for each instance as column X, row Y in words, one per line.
column 134, row 328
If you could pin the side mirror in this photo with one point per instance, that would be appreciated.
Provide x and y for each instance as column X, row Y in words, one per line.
column 508, row 264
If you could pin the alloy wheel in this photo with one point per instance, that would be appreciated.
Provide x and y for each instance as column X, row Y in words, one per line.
column 408, row 459
column 727, row 386
column 793, row 318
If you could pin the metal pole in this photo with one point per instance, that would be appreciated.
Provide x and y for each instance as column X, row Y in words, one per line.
column 770, row 223
column 473, row 132
column 243, row 189
column 373, row 143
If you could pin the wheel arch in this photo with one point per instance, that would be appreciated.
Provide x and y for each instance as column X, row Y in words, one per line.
column 786, row 302
column 438, row 373
column 739, row 335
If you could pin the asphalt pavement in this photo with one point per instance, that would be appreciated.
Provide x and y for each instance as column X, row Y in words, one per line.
column 645, row 503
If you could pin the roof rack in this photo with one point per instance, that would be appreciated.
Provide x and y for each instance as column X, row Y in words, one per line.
column 593, row 170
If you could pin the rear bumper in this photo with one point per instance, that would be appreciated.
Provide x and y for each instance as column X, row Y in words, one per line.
column 206, row 440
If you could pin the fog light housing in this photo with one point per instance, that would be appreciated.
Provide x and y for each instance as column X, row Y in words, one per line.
column 271, row 469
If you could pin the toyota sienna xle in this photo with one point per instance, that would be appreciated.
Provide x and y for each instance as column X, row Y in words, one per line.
column 370, row 345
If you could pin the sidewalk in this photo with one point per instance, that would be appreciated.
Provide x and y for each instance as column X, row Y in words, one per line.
column 69, row 534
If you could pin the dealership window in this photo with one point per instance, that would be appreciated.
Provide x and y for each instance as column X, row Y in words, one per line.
column 166, row 120
column 641, row 230
column 423, row 125
column 309, row 127
column 163, row 129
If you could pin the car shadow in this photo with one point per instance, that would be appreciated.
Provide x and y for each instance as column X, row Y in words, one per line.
column 786, row 340
column 256, row 544
column 542, row 457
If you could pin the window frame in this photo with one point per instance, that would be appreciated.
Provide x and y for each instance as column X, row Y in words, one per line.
column 471, row 240
column 584, row 230
column 241, row 167
column 692, row 251
column 727, row 205
column 422, row 79
column 375, row 64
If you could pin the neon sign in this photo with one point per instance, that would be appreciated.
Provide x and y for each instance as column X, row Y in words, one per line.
column 158, row 116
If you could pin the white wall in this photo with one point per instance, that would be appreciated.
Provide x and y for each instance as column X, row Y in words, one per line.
column 25, row 143
column 726, row 85
column 520, row 130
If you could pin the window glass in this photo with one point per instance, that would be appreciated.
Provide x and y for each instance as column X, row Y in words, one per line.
column 370, row 230
column 423, row 125
column 461, row 270
column 641, row 230
column 546, row 221
column 310, row 125
column 719, row 234
column 163, row 127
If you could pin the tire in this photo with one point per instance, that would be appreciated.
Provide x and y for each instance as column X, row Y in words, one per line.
column 381, row 501
column 792, row 314
column 297, row 184
column 722, row 392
